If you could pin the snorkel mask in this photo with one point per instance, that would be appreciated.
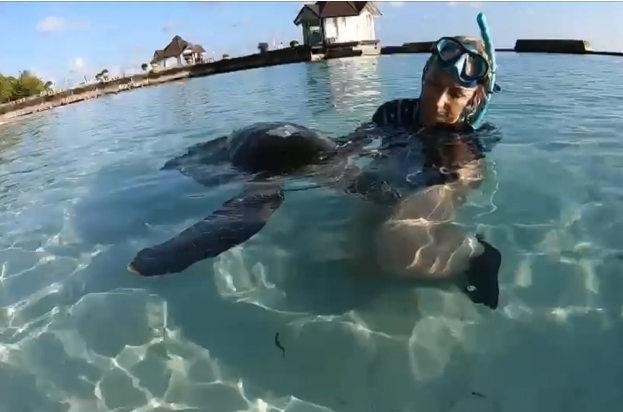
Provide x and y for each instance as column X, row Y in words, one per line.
column 463, row 62
column 469, row 67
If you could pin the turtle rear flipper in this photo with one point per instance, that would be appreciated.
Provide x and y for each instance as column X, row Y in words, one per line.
column 238, row 219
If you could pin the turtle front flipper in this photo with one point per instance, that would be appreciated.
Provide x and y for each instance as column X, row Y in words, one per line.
column 238, row 219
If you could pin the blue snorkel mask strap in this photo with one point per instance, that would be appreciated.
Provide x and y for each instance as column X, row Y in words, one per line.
column 486, row 38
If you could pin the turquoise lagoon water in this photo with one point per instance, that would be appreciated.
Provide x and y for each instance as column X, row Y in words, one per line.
column 81, row 193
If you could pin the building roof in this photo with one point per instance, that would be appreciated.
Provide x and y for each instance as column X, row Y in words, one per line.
column 310, row 8
column 197, row 48
column 157, row 55
column 330, row 9
column 175, row 48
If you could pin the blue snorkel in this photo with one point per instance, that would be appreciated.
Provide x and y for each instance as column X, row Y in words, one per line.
column 486, row 38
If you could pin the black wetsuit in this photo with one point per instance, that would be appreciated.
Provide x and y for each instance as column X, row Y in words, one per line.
column 428, row 160
column 401, row 113
column 438, row 158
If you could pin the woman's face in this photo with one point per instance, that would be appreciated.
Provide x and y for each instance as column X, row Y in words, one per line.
column 443, row 99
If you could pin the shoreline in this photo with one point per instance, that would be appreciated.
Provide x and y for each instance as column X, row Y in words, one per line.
column 301, row 54
column 101, row 90
column 17, row 110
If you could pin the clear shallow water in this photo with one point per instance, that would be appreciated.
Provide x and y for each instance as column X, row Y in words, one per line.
column 81, row 193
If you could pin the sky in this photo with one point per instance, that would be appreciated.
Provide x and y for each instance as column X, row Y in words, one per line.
column 59, row 40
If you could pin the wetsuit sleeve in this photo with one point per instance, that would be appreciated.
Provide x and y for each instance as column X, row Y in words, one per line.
column 399, row 113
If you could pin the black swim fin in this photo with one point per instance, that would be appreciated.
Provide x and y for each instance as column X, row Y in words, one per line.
column 238, row 219
column 482, row 285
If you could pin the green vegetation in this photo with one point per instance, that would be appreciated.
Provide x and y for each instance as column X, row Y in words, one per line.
column 25, row 85
column 262, row 47
column 294, row 43
column 144, row 66
column 226, row 56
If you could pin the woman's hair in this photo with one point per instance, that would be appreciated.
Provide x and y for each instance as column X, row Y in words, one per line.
column 479, row 46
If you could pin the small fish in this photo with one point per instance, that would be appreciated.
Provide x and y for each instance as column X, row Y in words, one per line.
column 478, row 394
column 278, row 344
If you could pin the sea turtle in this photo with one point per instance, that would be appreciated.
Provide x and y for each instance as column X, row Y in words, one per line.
column 262, row 155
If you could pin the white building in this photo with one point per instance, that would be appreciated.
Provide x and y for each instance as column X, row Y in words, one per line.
column 330, row 22
column 181, row 50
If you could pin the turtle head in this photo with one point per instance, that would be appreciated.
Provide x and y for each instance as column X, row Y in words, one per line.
column 151, row 262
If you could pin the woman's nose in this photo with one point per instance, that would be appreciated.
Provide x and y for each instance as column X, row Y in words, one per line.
column 442, row 101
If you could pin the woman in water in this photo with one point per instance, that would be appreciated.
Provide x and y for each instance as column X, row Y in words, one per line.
column 420, row 238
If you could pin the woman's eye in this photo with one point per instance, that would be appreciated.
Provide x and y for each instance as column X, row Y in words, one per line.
column 456, row 93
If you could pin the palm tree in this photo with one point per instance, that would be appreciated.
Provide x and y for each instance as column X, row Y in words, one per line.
column 144, row 66
column 294, row 43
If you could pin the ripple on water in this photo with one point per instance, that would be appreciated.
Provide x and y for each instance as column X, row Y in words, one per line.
column 81, row 192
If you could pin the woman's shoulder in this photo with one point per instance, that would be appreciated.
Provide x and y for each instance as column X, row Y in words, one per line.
column 398, row 112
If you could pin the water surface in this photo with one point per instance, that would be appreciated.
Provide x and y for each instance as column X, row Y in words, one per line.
column 81, row 193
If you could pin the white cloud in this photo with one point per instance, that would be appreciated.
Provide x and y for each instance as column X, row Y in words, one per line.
column 53, row 23
column 113, row 71
column 171, row 26
column 79, row 26
column 50, row 23
column 470, row 4
column 76, row 65
column 37, row 73
column 131, row 71
column 397, row 4
column 243, row 22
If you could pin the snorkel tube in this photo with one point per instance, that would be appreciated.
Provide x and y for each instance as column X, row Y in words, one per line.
column 486, row 38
